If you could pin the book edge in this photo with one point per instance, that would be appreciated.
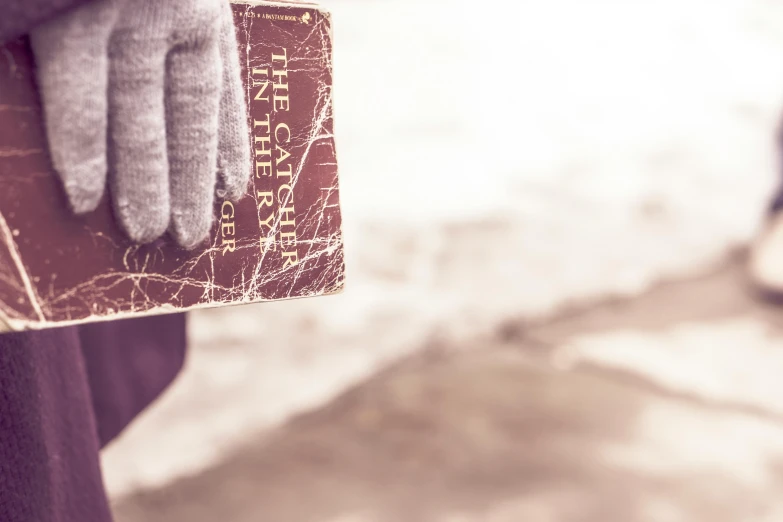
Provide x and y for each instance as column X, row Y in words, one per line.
column 282, row 3
column 8, row 325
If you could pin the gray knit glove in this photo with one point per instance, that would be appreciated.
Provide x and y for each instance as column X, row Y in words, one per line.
column 147, row 93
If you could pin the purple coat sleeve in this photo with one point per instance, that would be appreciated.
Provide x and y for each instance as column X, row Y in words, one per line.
column 66, row 392
column 18, row 17
column 129, row 364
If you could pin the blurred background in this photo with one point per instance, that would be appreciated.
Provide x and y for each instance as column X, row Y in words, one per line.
column 547, row 318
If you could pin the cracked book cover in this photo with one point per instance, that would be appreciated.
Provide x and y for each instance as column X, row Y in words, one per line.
column 281, row 240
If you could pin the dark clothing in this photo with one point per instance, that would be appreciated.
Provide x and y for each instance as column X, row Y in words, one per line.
column 18, row 17
column 64, row 393
column 129, row 363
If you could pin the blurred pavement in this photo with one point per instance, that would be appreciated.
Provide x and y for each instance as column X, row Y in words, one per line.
column 543, row 422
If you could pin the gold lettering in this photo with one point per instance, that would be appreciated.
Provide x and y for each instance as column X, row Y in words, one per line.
column 281, row 58
column 261, row 91
column 282, row 103
column 288, row 213
column 267, row 222
column 289, row 238
column 284, row 155
column 261, row 123
column 279, row 203
column 263, row 84
column 267, row 201
column 263, row 168
column 280, row 76
column 281, row 189
column 285, row 173
column 227, row 214
column 267, row 123
column 229, row 245
column 268, row 240
column 291, row 258
column 266, row 145
column 263, row 146
column 287, row 130
column 227, row 227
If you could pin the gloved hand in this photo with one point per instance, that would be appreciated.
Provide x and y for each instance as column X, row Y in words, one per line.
column 148, row 94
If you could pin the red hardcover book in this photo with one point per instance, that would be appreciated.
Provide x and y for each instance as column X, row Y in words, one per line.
column 282, row 240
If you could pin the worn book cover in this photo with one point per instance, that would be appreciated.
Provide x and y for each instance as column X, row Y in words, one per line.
column 282, row 240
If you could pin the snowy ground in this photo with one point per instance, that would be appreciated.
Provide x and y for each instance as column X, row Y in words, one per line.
column 499, row 161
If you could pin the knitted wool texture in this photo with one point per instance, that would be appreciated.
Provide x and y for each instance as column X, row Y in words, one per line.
column 146, row 94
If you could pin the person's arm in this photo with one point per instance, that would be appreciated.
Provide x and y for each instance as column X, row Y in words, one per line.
column 18, row 17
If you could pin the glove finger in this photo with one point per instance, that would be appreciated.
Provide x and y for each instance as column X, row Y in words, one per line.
column 71, row 55
column 192, row 103
column 234, row 156
column 137, row 125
